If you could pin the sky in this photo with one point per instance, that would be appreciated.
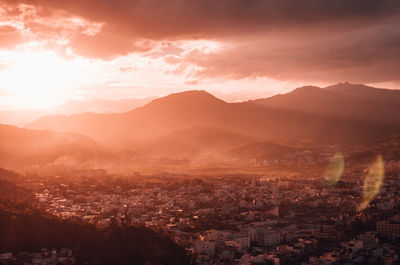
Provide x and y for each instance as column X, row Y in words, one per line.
column 52, row 51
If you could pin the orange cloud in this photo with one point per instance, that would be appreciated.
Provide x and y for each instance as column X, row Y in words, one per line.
column 9, row 37
column 106, row 45
column 319, row 40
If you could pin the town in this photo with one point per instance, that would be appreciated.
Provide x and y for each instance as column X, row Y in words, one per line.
column 240, row 219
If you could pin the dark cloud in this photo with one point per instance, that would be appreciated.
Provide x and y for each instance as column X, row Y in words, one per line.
column 160, row 19
column 370, row 56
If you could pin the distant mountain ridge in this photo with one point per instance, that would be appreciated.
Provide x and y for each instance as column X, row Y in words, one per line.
column 345, row 100
column 364, row 91
column 99, row 105
column 25, row 147
column 21, row 117
column 308, row 113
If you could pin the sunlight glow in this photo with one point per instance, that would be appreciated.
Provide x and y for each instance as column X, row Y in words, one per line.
column 38, row 79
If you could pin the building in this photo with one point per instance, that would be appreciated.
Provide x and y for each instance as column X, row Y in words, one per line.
column 239, row 241
column 204, row 247
column 388, row 230
column 268, row 237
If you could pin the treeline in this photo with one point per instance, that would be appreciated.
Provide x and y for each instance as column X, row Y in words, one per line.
column 31, row 230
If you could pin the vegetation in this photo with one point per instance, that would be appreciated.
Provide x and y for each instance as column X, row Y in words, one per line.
column 31, row 230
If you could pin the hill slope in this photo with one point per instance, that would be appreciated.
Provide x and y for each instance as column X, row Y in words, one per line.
column 194, row 142
column 22, row 147
column 261, row 151
column 388, row 148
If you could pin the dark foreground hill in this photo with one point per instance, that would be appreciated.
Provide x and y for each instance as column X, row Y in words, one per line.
column 31, row 231
column 24, row 228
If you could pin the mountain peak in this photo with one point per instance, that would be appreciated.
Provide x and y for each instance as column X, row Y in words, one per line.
column 363, row 91
column 307, row 89
column 193, row 94
column 313, row 92
column 187, row 98
column 347, row 86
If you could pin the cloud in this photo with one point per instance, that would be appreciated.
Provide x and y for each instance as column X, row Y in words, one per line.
column 106, row 45
column 319, row 40
column 125, row 69
column 165, row 49
column 159, row 19
column 191, row 82
column 366, row 55
column 9, row 37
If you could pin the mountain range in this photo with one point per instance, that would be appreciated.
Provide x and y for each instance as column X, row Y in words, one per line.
column 196, row 124
column 336, row 114
column 345, row 100
column 21, row 117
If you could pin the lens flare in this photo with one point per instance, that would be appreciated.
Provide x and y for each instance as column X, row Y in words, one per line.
column 334, row 170
column 372, row 183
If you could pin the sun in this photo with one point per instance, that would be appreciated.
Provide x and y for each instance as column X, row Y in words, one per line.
column 39, row 79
